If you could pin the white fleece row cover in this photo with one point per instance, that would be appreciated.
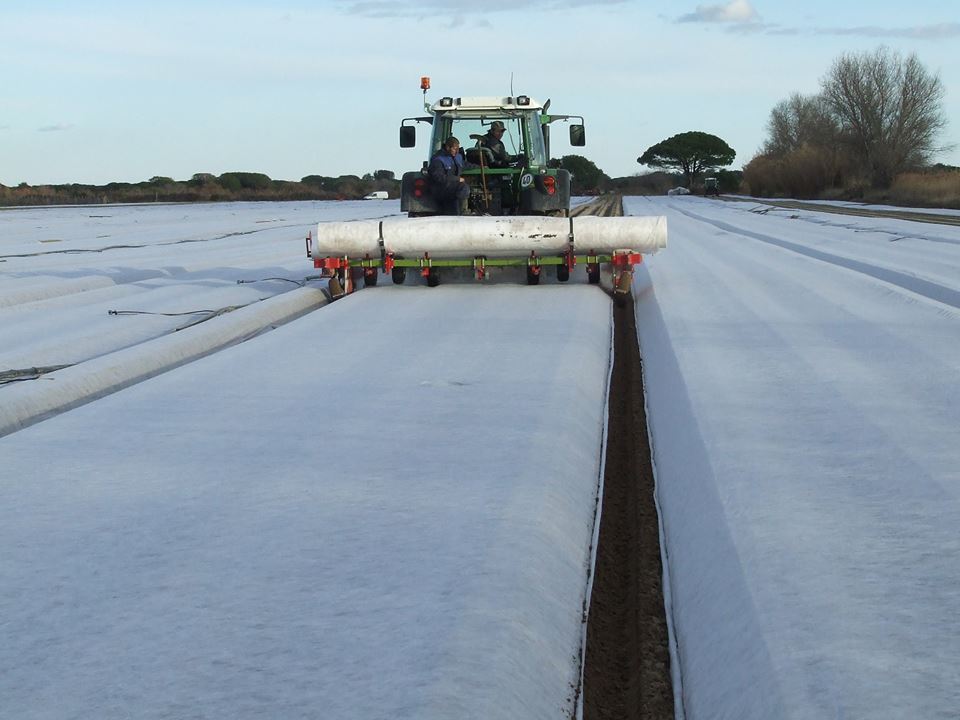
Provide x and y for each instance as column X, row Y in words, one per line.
column 518, row 236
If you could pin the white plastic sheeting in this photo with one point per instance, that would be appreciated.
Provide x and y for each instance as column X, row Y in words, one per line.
column 502, row 236
column 25, row 403
column 803, row 391
column 381, row 510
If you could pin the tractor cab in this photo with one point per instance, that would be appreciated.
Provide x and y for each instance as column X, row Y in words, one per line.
column 527, row 182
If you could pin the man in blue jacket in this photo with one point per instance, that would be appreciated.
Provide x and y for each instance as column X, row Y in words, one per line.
column 444, row 178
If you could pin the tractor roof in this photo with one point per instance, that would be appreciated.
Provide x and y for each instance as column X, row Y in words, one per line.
column 486, row 103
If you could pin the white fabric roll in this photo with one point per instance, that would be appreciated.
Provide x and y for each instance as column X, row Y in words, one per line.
column 644, row 234
column 513, row 236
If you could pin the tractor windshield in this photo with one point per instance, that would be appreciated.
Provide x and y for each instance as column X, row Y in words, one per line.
column 522, row 137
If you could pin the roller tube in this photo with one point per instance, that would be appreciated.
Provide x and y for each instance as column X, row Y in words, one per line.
column 515, row 236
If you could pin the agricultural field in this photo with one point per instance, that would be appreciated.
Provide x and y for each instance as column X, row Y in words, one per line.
column 222, row 496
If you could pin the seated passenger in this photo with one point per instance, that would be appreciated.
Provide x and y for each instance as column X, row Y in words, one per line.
column 443, row 176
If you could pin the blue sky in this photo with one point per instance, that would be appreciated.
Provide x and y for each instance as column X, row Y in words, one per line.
column 105, row 91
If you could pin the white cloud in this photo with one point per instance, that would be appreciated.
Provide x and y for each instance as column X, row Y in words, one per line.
column 55, row 128
column 736, row 11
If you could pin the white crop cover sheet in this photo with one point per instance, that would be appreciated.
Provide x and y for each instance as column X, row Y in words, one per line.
column 803, row 382
column 384, row 508
column 381, row 509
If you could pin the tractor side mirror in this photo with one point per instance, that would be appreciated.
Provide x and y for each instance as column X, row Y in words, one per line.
column 408, row 136
column 578, row 137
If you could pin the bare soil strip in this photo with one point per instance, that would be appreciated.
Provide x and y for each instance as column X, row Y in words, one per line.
column 627, row 672
column 862, row 212
column 627, row 658
column 604, row 206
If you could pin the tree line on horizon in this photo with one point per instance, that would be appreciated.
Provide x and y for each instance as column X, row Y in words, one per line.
column 203, row 187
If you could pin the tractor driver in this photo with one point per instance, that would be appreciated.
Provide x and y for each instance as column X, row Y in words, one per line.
column 493, row 141
column 443, row 174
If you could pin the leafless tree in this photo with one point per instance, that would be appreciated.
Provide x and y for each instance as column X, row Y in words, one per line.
column 799, row 121
column 803, row 155
column 889, row 108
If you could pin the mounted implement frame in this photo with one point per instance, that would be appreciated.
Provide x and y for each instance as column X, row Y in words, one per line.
column 360, row 250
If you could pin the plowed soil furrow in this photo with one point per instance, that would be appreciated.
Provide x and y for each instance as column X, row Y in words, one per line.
column 604, row 206
column 627, row 659
column 923, row 217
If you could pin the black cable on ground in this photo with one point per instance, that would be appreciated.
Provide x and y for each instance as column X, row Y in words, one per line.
column 298, row 283
column 209, row 313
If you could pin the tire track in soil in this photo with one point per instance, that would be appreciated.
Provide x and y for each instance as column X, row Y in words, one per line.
column 627, row 659
column 906, row 214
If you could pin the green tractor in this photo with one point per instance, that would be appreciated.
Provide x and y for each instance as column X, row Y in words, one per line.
column 530, row 183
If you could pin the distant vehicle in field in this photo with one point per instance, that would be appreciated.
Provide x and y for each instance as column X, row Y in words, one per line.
column 678, row 191
column 711, row 186
column 376, row 195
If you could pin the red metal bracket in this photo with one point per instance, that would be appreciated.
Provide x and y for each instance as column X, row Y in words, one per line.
column 479, row 264
column 626, row 259
column 368, row 271
column 331, row 263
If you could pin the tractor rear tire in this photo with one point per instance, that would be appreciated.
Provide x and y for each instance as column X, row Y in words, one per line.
column 398, row 275
column 370, row 279
column 533, row 278
column 433, row 279
column 563, row 273
column 593, row 273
